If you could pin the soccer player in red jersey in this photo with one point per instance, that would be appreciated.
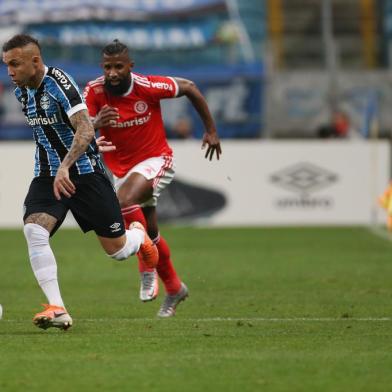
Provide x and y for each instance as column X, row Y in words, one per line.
column 125, row 107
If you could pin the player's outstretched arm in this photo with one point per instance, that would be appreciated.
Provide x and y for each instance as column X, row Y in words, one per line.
column 83, row 136
column 210, row 137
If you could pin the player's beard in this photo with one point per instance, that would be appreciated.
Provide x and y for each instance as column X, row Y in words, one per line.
column 118, row 89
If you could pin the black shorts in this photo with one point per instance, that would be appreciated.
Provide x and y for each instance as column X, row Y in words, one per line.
column 94, row 205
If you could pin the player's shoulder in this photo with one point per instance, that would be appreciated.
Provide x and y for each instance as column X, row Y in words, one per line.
column 60, row 77
column 96, row 86
column 154, row 82
column 141, row 80
column 57, row 80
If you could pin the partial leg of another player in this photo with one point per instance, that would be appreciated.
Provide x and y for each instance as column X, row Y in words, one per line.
column 135, row 190
column 176, row 291
column 149, row 286
column 37, row 229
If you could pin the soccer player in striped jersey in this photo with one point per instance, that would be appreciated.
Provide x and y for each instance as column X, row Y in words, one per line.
column 125, row 107
column 68, row 174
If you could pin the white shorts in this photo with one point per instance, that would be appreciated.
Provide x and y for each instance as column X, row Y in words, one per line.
column 161, row 169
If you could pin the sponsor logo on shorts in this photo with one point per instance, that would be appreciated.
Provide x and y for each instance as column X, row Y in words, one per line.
column 140, row 107
column 44, row 102
column 116, row 226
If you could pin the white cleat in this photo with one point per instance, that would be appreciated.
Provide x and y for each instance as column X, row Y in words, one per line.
column 168, row 308
column 149, row 286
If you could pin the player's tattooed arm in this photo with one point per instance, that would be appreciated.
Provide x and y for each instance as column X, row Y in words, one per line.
column 83, row 136
column 190, row 90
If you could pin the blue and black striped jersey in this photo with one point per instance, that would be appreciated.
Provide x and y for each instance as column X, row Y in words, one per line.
column 47, row 110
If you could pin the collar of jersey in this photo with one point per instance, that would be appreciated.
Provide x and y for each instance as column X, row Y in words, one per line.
column 130, row 87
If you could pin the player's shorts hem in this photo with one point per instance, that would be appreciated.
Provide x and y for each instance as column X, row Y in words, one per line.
column 109, row 235
column 159, row 169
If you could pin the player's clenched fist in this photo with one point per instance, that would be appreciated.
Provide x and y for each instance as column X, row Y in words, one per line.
column 105, row 116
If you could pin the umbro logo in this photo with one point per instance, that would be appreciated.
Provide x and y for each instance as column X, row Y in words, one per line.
column 115, row 227
column 303, row 178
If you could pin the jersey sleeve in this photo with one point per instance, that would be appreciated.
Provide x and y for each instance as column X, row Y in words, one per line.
column 91, row 101
column 66, row 91
column 162, row 87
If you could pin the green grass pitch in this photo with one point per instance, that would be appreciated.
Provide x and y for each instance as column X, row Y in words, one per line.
column 295, row 309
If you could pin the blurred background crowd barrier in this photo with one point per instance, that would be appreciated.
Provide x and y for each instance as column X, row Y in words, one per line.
column 256, row 183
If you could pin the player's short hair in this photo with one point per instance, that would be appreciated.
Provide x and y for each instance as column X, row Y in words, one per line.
column 115, row 47
column 19, row 41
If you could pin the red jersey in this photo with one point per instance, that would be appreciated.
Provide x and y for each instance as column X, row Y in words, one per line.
column 139, row 133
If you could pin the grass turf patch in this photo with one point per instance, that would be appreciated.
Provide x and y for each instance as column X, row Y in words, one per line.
column 300, row 309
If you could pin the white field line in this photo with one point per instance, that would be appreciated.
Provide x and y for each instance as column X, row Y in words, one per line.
column 235, row 319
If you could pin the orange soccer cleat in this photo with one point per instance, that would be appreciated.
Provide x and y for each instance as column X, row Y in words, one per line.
column 53, row 316
column 148, row 251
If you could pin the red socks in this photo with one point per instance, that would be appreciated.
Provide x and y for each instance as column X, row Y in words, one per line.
column 133, row 213
column 165, row 266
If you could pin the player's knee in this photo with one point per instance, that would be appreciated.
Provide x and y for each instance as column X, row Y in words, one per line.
column 127, row 201
column 35, row 235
